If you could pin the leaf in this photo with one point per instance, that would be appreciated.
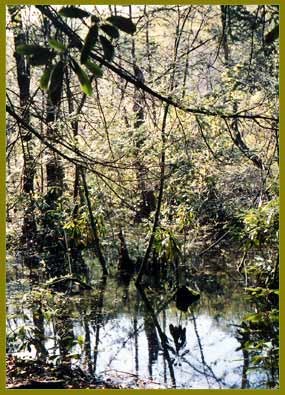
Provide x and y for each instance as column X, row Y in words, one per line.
column 38, row 55
column 40, row 60
column 80, row 340
column 122, row 23
column 57, row 45
column 73, row 12
column 90, row 41
column 24, row 49
column 94, row 68
column 112, row 31
column 272, row 35
column 56, row 81
column 84, row 81
column 108, row 48
column 254, row 318
column 44, row 80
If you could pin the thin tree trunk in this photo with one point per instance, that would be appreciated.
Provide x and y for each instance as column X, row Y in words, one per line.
column 53, row 235
column 234, row 127
column 147, row 194
column 93, row 223
column 159, row 200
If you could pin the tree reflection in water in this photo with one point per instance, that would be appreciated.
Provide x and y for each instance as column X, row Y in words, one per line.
column 116, row 326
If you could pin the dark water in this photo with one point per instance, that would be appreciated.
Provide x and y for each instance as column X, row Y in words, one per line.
column 115, row 331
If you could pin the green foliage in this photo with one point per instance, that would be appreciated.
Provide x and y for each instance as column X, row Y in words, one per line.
column 261, row 225
column 260, row 338
column 38, row 55
column 89, row 43
column 185, row 217
column 167, row 245
column 56, row 83
column 94, row 68
column 260, row 292
column 22, row 338
column 78, row 229
column 80, row 340
column 57, row 45
column 25, row 49
column 44, row 80
column 83, row 78
column 108, row 48
column 122, row 23
column 110, row 30
column 73, row 12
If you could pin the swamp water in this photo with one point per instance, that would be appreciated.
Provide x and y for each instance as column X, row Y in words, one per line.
column 113, row 331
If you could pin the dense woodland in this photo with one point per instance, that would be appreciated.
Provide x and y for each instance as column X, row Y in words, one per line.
column 142, row 158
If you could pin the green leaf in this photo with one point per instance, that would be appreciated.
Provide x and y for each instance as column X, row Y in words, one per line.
column 56, row 82
column 45, row 79
column 112, row 31
column 84, row 81
column 40, row 60
column 73, row 12
column 94, row 68
column 57, row 45
column 108, row 48
column 38, row 55
column 24, row 49
column 90, row 41
column 254, row 318
column 80, row 340
column 122, row 23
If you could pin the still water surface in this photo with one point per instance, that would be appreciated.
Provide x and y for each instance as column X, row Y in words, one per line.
column 114, row 334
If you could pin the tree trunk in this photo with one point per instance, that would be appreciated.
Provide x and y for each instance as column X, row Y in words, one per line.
column 53, row 240
column 29, row 228
column 147, row 194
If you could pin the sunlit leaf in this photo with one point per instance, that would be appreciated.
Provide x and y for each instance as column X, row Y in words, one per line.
column 84, row 81
column 94, row 68
column 44, row 80
column 57, row 45
column 80, row 340
column 254, row 318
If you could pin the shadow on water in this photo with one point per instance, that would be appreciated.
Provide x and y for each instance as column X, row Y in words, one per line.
column 137, row 334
